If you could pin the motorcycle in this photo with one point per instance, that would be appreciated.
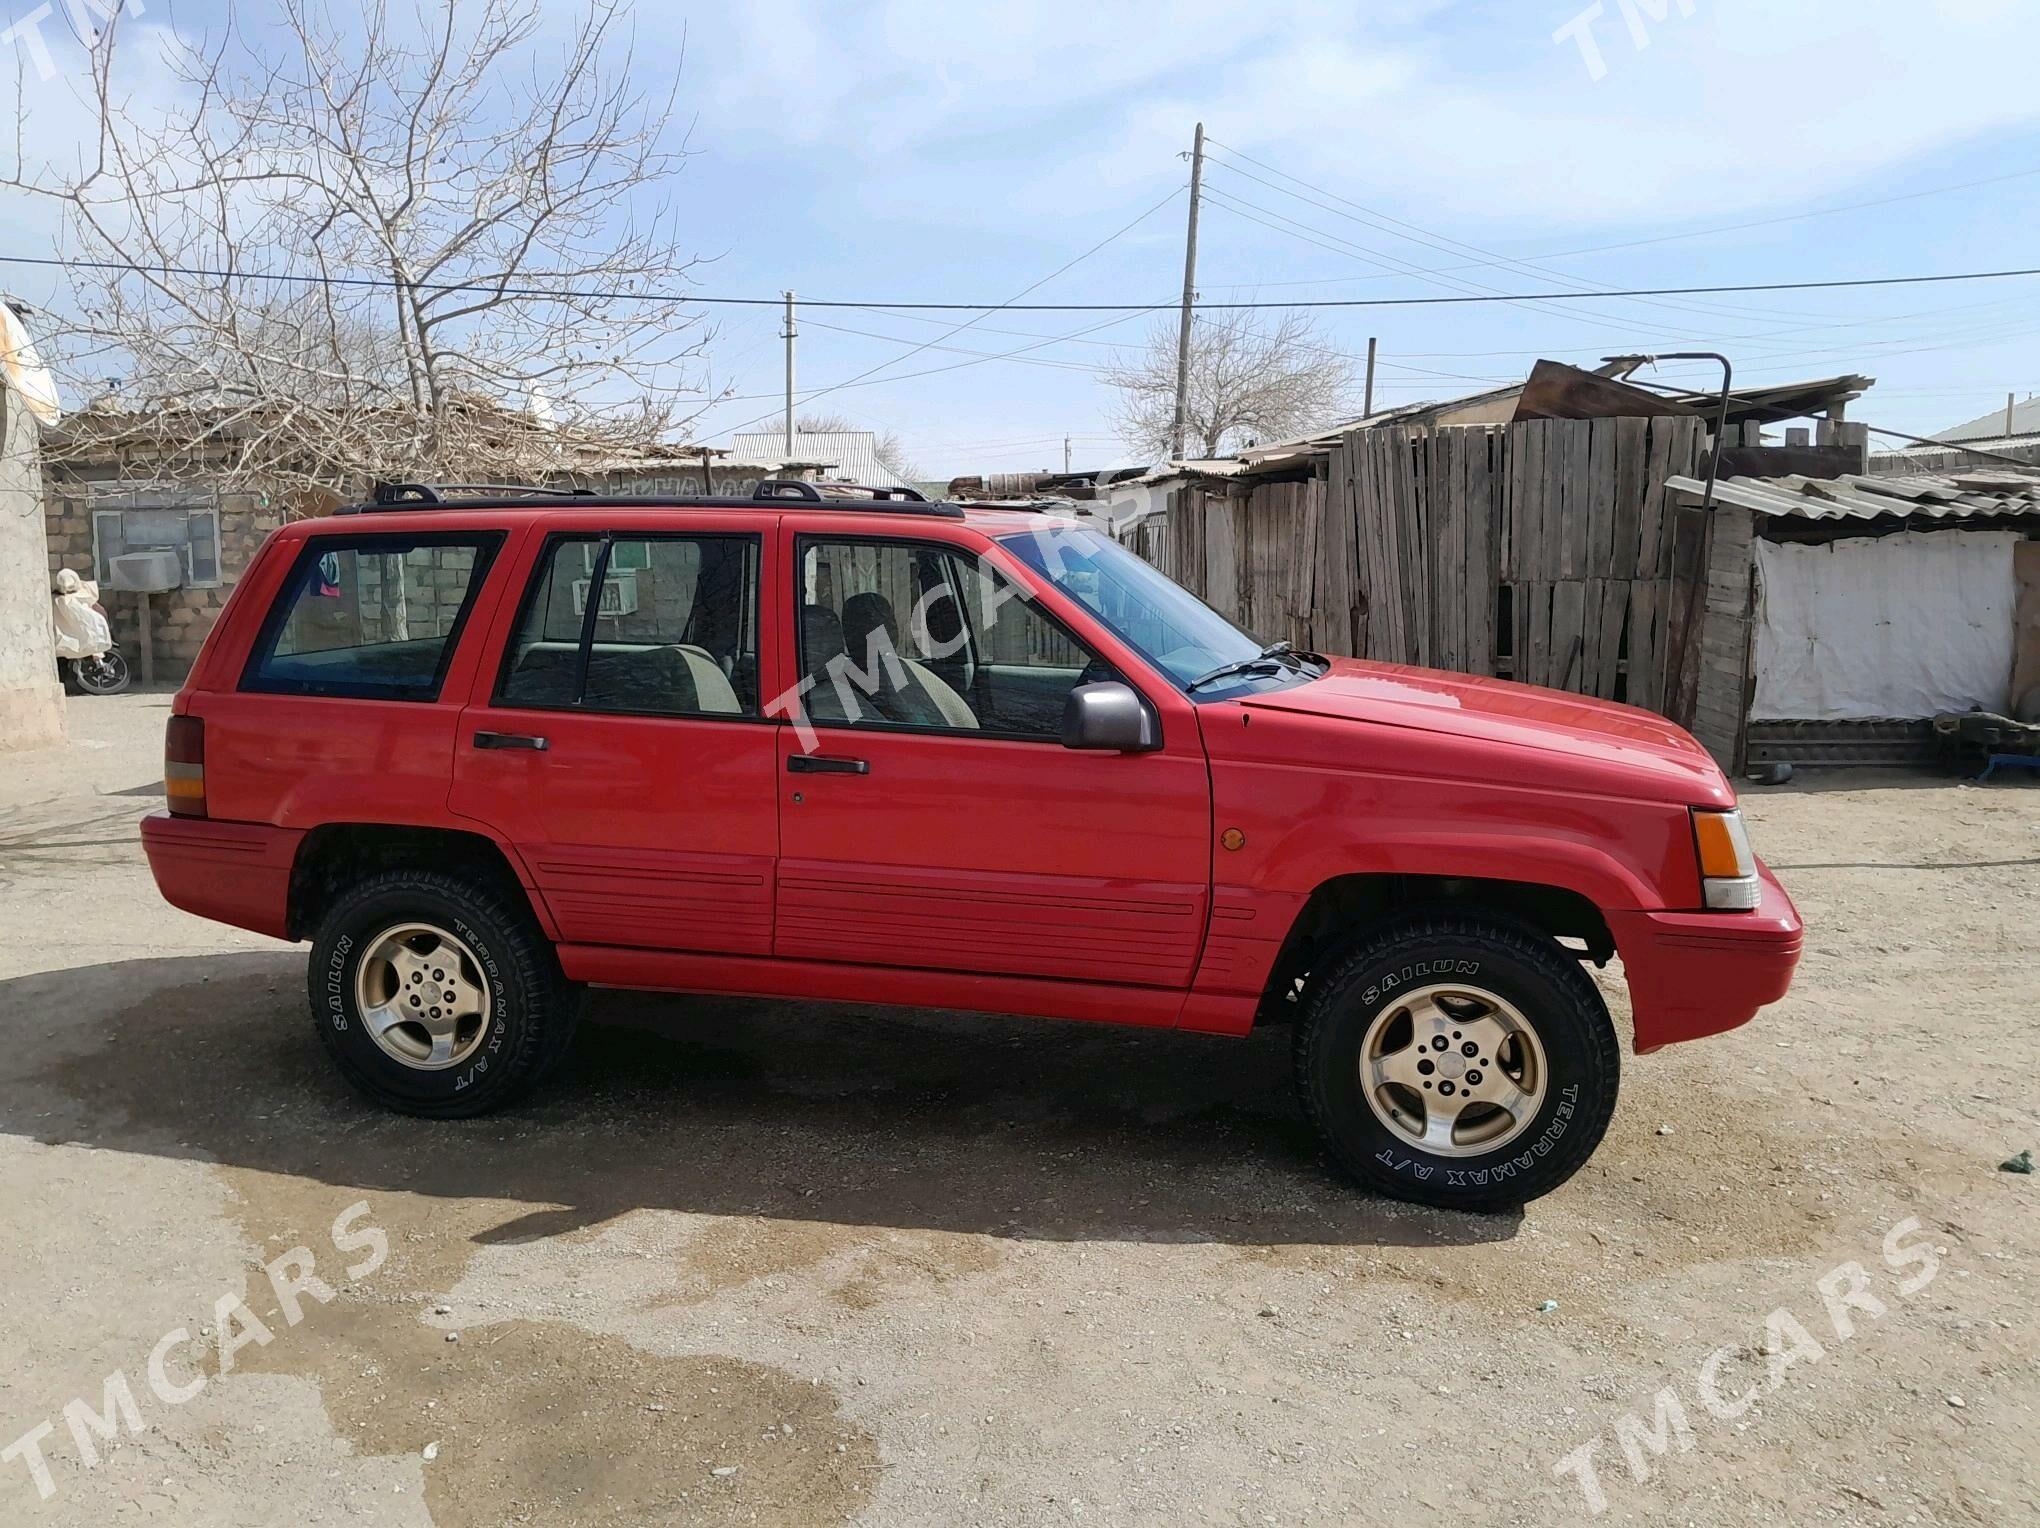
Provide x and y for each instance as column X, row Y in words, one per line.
column 88, row 659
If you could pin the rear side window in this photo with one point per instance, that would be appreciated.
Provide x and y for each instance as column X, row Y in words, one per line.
column 654, row 626
column 371, row 617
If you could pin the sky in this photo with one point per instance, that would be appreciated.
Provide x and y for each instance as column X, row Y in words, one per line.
column 1374, row 149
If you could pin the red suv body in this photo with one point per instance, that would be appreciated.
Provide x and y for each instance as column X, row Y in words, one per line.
column 972, row 759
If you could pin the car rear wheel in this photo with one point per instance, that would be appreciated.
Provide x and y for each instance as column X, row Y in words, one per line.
column 1458, row 1061
column 435, row 997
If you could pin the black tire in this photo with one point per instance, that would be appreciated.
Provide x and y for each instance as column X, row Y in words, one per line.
column 105, row 675
column 533, row 1009
column 1557, row 1000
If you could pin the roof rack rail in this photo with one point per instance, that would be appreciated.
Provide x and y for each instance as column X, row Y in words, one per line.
column 795, row 488
column 435, row 493
column 789, row 491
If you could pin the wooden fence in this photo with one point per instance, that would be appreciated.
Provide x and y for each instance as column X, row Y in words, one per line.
column 1542, row 551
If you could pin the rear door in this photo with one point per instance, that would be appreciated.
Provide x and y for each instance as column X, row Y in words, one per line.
column 930, row 816
column 616, row 737
column 345, row 705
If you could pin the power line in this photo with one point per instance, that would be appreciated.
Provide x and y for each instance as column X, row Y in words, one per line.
column 864, row 378
column 1324, row 240
column 1113, row 345
column 1836, row 284
column 1397, row 228
column 1673, row 238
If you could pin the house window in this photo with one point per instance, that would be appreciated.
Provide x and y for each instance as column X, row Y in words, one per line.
column 140, row 521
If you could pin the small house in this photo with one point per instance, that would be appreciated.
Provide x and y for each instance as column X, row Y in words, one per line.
column 1837, row 617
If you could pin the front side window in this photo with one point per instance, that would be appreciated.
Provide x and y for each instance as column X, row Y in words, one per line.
column 914, row 634
column 658, row 626
column 374, row 617
column 1155, row 616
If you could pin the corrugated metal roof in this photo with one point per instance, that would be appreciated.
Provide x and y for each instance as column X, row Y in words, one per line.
column 1991, row 426
column 853, row 454
column 1966, row 496
column 1974, row 449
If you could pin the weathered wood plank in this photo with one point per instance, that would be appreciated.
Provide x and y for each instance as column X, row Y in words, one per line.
column 1503, row 458
column 1408, row 455
column 1614, row 621
column 1482, row 514
column 1306, row 569
column 1642, row 684
column 1568, row 627
column 1446, row 540
column 1537, row 644
column 1221, row 557
column 1632, row 465
column 1594, row 636
column 1394, row 457
column 1604, row 498
column 1532, row 557
column 1579, row 495
column 1374, row 540
column 1340, row 551
column 1551, row 513
column 1721, row 693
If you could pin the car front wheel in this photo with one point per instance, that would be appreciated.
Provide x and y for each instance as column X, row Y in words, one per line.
column 435, row 997
column 1458, row 1061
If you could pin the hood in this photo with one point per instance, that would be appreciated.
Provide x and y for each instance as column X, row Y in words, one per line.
column 1635, row 745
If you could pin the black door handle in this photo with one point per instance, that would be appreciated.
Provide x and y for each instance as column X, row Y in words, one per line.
column 511, row 740
column 824, row 764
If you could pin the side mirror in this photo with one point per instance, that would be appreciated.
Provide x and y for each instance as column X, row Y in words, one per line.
column 1109, row 716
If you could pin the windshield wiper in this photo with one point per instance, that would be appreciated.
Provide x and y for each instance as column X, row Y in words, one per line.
column 1269, row 660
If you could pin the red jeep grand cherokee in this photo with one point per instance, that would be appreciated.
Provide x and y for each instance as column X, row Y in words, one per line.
column 486, row 752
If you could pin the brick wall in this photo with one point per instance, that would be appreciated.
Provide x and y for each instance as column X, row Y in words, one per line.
column 182, row 617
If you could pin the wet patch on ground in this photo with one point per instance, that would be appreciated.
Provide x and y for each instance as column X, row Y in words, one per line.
column 528, row 1421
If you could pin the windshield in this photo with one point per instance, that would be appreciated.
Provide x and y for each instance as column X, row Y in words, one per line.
column 1157, row 617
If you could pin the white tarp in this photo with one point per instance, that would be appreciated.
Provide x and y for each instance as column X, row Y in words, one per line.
column 1884, row 626
column 24, row 370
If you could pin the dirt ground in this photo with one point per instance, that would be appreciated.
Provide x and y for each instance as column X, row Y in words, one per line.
column 785, row 1264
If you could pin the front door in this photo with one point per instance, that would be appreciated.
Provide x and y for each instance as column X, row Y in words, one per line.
column 622, row 747
column 937, row 821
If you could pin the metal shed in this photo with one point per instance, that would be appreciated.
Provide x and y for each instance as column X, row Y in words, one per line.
column 1834, row 617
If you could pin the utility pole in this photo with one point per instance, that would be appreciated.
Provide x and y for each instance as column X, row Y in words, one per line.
column 789, row 333
column 1367, row 409
column 1066, row 455
column 1189, row 297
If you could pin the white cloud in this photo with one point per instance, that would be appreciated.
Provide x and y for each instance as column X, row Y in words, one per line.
column 1468, row 110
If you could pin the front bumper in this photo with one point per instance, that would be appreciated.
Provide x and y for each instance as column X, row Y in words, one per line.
column 231, row 872
column 1696, row 974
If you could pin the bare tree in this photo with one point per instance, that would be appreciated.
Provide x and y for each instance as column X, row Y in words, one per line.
column 888, row 447
column 1248, row 383
column 470, row 202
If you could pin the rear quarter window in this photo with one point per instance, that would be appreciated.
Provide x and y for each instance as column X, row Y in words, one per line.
column 371, row 617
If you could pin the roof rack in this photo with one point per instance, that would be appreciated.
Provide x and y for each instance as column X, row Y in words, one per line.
column 795, row 488
column 435, row 493
column 848, row 498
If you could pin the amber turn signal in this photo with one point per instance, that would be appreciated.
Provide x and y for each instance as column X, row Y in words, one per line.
column 1728, row 870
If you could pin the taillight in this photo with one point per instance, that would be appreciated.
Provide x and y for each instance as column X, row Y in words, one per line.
column 184, row 766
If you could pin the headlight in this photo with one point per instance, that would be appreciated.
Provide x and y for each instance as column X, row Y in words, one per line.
column 1728, row 871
